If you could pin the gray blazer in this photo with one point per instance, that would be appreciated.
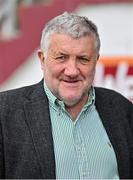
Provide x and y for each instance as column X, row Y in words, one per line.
column 26, row 144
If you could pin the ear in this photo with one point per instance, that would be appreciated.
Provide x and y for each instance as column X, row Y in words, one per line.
column 98, row 56
column 41, row 58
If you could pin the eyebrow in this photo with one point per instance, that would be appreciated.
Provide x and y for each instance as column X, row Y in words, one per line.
column 55, row 54
column 61, row 54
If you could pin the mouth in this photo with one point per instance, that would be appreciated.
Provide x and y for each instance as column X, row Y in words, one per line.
column 71, row 83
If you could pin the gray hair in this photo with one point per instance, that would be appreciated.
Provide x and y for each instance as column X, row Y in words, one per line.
column 71, row 24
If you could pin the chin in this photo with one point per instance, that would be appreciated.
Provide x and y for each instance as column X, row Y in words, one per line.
column 70, row 102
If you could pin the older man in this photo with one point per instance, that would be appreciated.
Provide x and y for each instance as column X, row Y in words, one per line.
column 63, row 127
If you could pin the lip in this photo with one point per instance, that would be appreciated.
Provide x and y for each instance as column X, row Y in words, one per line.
column 74, row 81
column 71, row 83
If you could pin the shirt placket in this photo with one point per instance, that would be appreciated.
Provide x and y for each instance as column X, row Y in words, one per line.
column 81, row 153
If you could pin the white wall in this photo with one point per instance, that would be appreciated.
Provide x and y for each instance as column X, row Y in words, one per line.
column 115, row 24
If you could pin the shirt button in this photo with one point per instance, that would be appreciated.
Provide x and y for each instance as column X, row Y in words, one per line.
column 84, row 175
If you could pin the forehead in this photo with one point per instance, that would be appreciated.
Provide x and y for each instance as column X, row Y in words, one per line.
column 65, row 42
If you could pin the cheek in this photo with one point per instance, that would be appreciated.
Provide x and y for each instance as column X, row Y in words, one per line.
column 89, row 72
column 52, row 70
column 47, row 67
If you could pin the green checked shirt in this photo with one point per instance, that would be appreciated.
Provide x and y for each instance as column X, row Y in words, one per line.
column 82, row 147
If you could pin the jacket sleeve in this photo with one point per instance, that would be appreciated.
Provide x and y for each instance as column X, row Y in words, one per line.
column 3, row 113
column 131, row 123
column 132, row 118
column 1, row 152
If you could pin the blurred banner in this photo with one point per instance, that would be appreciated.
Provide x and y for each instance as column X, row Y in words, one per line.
column 21, row 23
column 116, row 73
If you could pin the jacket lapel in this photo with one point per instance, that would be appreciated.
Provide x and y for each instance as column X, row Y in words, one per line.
column 38, row 120
column 111, row 118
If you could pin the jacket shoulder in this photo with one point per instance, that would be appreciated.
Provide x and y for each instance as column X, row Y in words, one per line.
column 110, row 94
column 16, row 96
column 107, row 96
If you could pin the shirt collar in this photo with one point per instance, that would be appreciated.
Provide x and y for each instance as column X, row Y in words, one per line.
column 54, row 101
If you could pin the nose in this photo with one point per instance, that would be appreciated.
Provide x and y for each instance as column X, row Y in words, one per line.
column 71, row 68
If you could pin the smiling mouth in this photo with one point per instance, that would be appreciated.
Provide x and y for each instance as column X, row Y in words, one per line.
column 74, row 81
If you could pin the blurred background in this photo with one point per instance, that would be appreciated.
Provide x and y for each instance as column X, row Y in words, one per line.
column 21, row 24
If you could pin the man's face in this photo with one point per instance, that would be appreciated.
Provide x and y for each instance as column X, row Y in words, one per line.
column 69, row 67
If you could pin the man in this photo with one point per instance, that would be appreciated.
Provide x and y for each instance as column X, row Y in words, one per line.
column 63, row 127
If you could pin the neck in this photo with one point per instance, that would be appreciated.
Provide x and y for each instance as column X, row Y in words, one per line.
column 76, row 109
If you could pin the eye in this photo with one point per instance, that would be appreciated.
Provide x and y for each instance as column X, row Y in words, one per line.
column 61, row 58
column 84, row 60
